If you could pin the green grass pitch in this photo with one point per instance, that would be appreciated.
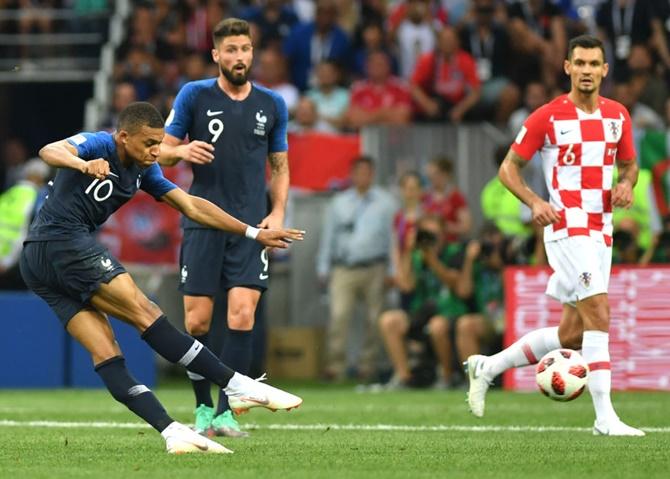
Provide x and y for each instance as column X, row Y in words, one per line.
column 338, row 433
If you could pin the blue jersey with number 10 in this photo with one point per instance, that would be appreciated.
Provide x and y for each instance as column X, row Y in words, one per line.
column 243, row 133
column 78, row 204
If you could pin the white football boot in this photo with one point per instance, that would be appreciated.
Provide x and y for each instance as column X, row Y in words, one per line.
column 245, row 393
column 180, row 439
column 479, row 383
column 615, row 427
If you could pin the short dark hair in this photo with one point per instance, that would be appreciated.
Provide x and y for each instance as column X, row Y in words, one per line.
column 139, row 114
column 585, row 41
column 230, row 27
column 444, row 164
column 363, row 160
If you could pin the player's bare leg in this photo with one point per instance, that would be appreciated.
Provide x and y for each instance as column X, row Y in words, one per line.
column 242, row 304
column 92, row 329
column 198, row 312
column 481, row 370
column 122, row 299
column 595, row 314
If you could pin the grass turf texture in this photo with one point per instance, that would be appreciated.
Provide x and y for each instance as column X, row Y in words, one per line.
column 28, row 451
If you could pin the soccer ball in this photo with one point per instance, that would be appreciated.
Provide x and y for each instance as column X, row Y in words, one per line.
column 561, row 374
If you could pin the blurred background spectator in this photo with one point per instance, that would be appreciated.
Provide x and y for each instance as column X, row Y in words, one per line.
column 488, row 43
column 427, row 276
column 353, row 260
column 332, row 100
column 306, row 119
column 310, row 43
column 443, row 198
column 14, row 157
column 18, row 206
column 624, row 24
column 380, row 98
column 274, row 19
column 272, row 73
column 414, row 33
column 445, row 83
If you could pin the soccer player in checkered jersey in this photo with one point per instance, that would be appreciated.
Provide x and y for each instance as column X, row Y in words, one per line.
column 580, row 136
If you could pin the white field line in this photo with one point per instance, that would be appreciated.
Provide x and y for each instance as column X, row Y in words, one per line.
column 323, row 427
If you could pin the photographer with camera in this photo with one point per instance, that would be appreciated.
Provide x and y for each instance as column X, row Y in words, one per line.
column 659, row 251
column 426, row 270
column 482, row 284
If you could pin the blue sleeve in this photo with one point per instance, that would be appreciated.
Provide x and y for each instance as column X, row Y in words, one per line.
column 180, row 118
column 91, row 146
column 154, row 183
column 278, row 140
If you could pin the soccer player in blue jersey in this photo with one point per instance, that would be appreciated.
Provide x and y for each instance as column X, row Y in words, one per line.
column 83, row 283
column 234, row 127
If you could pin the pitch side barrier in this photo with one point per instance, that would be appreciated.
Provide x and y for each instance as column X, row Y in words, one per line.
column 639, row 326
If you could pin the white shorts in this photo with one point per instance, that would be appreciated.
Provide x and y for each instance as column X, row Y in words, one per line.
column 581, row 268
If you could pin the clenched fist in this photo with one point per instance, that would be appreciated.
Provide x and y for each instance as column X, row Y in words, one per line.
column 96, row 168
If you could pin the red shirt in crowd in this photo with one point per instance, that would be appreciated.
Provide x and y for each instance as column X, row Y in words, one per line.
column 450, row 79
column 373, row 96
column 447, row 207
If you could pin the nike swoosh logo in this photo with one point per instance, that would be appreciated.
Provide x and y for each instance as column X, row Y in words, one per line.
column 214, row 113
column 262, row 402
column 564, row 132
column 477, row 370
column 263, row 276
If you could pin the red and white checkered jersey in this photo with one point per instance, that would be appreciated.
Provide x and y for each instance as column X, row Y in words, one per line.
column 578, row 151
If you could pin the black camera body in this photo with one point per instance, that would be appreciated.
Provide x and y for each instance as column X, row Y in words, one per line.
column 425, row 238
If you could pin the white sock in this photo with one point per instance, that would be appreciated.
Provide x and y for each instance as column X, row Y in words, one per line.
column 166, row 432
column 527, row 350
column 595, row 350
column 235, row 385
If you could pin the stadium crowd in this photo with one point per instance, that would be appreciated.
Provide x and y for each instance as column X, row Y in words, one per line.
column 341, row 65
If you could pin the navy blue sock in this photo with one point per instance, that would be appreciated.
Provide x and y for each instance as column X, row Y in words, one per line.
column 201, row 386
column 137, row 397
column 236, row 352
column 181, row 348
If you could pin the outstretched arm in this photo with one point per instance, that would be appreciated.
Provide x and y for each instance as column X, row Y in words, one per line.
column 510, row 176
column 208, row 214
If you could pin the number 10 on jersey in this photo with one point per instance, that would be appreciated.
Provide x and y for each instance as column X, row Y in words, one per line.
column 102, row 191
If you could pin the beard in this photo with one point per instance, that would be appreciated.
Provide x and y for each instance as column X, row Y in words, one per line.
column 237, row 79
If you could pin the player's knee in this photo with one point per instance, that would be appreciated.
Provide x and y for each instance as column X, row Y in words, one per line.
column 438, row 326
column 241, row 317
column 196, row 324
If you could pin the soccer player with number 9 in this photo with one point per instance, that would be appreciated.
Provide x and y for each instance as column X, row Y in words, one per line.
column 234, row 127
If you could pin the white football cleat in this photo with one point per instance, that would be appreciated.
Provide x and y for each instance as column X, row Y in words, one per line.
column 244, row 393
column 479, row 383
column 615, row 427
column 180, row 439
